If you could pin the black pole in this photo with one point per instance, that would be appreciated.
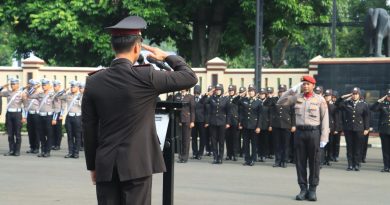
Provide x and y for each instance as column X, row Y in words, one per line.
column 334, row 19
column 259, row 42
column 169, row 157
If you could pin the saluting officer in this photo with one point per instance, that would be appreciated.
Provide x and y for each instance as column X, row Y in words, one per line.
column 312, row 133
column 282, row 122
column 72, row 110
column 199, row 130
column 31, row 113
column 333, row 120
column 187, row 122
column 217, row 118
column 262, row 145
column 383, row 107
column 270, row 102
column 13, row 116
column 58, row 107
column 355, row 125
column 242, row 93
column 232, row 133
column 338, row 128
column 210, row 92
column 250, row 120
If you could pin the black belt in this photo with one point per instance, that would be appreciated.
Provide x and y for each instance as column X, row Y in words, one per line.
column 307, row 127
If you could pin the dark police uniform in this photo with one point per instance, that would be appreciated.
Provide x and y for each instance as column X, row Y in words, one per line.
column 337, row 123
column 118, row 121
column 355, row 121
column 232, row 133
column 269, row 102
column 199, row 130
column 187, row 116
column 217, row 118
column 383, row 107
column 13, row 119
column 262, row 141
column 250, row 120
column 282, row 119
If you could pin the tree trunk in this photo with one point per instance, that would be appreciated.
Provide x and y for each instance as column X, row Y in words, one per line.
column 215, row 29
column 275, row 61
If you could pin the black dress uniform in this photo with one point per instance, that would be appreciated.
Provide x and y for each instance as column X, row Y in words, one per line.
column 199, row 130
column 334, row 144
column 250, row 120
column 333, row 120
column 282, row 119
column 383, row 107
column 365, row 137
column 232, row 133
column 269, row 102
column 355, row 122
column 119, row 129
column 208, row 146
column 262, row 145
column 217, row 118
column 187, row 116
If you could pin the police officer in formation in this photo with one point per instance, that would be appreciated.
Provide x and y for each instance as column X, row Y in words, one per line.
column 262, row 140
column 187, row 122
column 232, row 133
column 218, row 120
column 282, row 122
column 250, row 120
column 355, row 125
column 334, row 143
column 383, row 107
column 58, row 106
column 32, row 117
column 14, row 114
column 242, row 94
column 270, row 102
column 199, row 131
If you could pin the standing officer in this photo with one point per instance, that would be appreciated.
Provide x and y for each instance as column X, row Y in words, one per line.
column 232, row 132
column 81, row 91
column 338, row 128
column 250, row 120
column 355, row 125
column 333, row 120
column 242, row 94
column 13, row 116
column 383, row 107
column 210, row 92
column 269, row 102
column 282, row 122
column 72, row 102
column 47, row 116
column 187, row 122
column 262, row 145
column 58, row 107
column 217, row 118
column 31, row 113
column 121, row 145
column 199, row 130
column 312, row 119
column 365, row 137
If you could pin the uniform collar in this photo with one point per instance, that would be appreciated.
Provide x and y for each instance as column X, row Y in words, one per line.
column 117, row 61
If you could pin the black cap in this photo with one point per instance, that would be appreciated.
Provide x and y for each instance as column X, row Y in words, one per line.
column 388, row 93
column 197, row 89
column 219, row 86
column 263, row 91
column 328, row 92
column 131, row 25
column 251, row 87
column 210, row 88
column 232, row 88
column 335, row 93
column 355, row 90
column 270, row 90
column 282, row 88
column 242, row 89
column 319, row 89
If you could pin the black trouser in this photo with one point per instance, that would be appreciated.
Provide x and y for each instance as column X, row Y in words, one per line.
column 291, row 147
column 354, row 146
column 281, row 143
column 232, row 137
column 241, row 142
column 262, row 143
column 250, row 142
column 335, row 145
column 57, row 132
column 326, row 151
column 307, row 148
column 33, row 132
column 218, row 140
column 73, row 130
column 14, row 127
column 271, row 150
column 198, row 131
column 132, row 192
column 45, row 133
column 385, row 140
column 208, row 139
column 185, row 141
column 365, row 146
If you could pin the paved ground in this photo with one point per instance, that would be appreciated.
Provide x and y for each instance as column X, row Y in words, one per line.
column 31, row 180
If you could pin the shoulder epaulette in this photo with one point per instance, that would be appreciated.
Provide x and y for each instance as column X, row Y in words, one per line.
column 94, row 72
column 143, row 65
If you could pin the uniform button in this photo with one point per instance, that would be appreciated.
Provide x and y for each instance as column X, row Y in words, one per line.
column 353, row 120
column 248, row 117
column 354, row 111
column 249, row 108
column 281, row 108
column 353, row 115
column 249, row 113
column 280, row 112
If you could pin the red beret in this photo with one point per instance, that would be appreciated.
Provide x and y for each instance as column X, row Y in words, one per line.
column 309, row 79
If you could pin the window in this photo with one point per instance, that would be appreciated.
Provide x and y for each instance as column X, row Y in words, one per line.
column 200, row 82
column 65, row 84
column 289, row 82
column 266, row 82
column 278, row 82
column 231, row 81
column 55, row 77
column 29, row 76
column 214, row 79
column 44, row 76
column 75, row 77
column 242, row 82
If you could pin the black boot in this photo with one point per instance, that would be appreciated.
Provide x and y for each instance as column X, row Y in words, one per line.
column 302, row 195
column 349, row 168
column 311, row 194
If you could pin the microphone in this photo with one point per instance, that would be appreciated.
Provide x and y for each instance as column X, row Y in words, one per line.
column 158, row 63
column 140, row 60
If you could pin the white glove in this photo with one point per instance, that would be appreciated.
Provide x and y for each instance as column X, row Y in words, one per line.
column 323, row 144
column 297, row 88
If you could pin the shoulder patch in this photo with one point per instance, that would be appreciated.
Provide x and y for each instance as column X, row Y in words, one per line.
column 94, row 72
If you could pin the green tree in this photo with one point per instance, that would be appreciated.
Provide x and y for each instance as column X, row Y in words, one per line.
column 6, row 48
